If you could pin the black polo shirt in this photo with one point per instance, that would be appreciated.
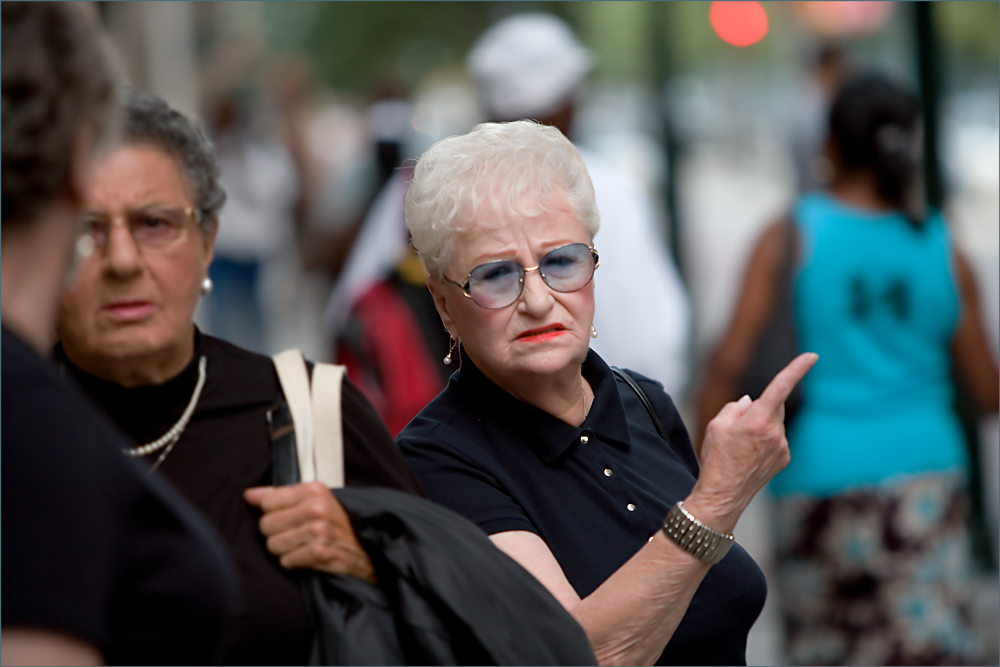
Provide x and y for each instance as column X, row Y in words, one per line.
column 594, row 493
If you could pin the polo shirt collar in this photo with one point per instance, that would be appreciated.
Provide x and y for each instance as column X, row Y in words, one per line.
column 548, row 436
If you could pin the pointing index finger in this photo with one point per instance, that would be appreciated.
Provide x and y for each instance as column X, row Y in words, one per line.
column 784, row 382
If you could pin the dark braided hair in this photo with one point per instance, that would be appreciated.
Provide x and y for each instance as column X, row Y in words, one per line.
column 874, row 123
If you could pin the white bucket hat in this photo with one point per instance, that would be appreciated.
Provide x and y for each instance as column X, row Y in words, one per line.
column 527, row 65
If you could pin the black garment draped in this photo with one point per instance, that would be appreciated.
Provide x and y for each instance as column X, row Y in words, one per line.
column 224, row 450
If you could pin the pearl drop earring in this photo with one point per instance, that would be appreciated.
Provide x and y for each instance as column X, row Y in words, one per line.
column 451, row 347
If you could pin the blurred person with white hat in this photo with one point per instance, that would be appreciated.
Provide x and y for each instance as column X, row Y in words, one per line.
column 532, row 66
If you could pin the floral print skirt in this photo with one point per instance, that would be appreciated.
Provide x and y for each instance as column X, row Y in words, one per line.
column 879, row 575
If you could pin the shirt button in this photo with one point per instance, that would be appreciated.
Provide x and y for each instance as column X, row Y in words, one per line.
column 631, row 507
column 584, row 440
column 607, row 472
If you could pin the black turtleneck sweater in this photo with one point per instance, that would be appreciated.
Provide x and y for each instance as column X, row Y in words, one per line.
column 226, row 449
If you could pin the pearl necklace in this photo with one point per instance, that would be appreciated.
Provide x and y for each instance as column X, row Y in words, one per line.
column 174, row 434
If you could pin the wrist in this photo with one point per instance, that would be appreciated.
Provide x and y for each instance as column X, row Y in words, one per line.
column 692, row 535
column 714, row 511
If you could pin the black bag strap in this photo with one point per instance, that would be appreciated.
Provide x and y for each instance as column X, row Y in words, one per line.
column 645, row 401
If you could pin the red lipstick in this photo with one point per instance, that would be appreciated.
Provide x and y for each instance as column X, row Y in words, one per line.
column 542, row 333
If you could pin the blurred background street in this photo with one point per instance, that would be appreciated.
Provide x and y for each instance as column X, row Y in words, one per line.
column 316, row 108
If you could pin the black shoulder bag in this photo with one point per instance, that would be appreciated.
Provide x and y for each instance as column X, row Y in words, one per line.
column 778, row 343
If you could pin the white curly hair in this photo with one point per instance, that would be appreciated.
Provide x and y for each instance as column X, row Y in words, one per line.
column 521, row 168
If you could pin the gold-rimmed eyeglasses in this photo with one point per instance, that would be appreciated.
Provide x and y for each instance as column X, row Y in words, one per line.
column 496, row 285
column 153, row 227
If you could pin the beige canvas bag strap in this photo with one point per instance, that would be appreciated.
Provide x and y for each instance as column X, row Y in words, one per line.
column 328, row 426
column 316, row 413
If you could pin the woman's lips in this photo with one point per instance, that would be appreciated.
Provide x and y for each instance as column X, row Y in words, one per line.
column 542, row 333
column 129, row 311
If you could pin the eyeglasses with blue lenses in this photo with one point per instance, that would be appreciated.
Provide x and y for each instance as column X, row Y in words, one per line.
column 496, row 285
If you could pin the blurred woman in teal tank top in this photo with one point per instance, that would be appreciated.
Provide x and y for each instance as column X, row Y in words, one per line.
column 873, row 556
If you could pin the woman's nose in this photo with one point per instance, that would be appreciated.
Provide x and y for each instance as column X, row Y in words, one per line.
column 121, row 254
column 536, row 297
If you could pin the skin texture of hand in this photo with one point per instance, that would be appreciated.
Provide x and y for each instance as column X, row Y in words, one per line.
column 743, row 448
column 306, row 527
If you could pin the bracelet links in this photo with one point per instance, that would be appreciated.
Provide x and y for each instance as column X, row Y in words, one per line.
column 694, row 537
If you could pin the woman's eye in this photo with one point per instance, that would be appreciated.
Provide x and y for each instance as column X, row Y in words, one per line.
column 496, row 273
column 152, row 222
column 559, row 261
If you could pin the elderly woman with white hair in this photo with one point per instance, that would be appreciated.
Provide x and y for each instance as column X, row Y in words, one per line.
column 582, row 473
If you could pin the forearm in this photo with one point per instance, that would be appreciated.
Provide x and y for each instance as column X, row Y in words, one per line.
column 634, row 613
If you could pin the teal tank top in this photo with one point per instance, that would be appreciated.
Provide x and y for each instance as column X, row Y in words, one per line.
column 876, row 299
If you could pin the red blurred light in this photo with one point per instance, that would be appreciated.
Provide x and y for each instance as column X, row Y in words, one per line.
column 738, row 23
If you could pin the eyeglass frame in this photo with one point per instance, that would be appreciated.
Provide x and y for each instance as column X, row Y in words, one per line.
column 190, row 213
column 465, row 287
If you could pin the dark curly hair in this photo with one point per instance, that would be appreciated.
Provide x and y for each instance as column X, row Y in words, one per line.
column 57, row 80
column 149, row 120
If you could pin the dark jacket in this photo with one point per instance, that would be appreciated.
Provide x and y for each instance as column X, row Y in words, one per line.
column 446, row 595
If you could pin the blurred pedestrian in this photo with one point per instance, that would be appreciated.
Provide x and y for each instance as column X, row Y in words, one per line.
column 258, row 223
column 533, row 66
column 873, row 551
column 103, row 564
column 808, row 117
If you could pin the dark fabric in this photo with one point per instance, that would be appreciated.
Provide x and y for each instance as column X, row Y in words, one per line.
column 93, row 546
column 224, row 450
column 507, row 465
column 778, row 343
column 456, row 599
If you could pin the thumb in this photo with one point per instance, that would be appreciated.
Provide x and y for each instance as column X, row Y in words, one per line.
column 733, row 410
column 255, row 495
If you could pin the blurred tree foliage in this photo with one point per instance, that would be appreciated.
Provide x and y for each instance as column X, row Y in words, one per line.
column 365, row 47
column 356, row 46
column 970, row 28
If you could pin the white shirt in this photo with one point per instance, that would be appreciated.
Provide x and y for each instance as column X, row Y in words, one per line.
column 642, row 314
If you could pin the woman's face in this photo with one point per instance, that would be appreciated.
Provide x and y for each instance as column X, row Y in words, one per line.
column 136, row 294
column 544, row 332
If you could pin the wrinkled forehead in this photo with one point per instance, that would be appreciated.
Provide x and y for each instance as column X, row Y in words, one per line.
column 532, row 225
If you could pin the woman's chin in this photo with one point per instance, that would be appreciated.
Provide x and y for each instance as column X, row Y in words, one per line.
column 547, row 358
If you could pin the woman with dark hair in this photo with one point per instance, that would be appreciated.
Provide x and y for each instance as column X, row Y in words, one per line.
column 195, row 406
column 103, row 564
column 872, row 543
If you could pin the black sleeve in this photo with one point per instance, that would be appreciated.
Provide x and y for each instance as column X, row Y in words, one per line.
column 371, row 457
column 463, row 486
column 59, row 528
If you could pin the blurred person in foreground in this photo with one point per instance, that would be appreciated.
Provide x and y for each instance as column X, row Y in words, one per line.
column 533, row 66
column 549, row 451
column 195, row 406
column 102, row 563
column 872, row 542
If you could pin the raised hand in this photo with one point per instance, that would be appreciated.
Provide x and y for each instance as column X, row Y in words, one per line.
column 306, row 527
column 744, row 447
